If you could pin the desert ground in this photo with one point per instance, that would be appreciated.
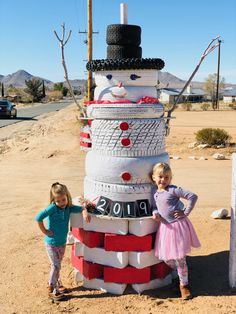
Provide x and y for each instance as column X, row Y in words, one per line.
column 36, row 153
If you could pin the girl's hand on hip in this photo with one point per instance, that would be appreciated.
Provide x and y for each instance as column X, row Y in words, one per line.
column 179, row 214
column 49, row 233
column 156, row 217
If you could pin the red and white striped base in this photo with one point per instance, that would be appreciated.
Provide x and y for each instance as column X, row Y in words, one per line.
column 110, row 260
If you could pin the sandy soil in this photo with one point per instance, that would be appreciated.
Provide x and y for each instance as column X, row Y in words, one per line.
column 33, row 154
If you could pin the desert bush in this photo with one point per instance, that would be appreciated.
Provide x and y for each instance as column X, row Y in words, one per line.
column 232, row 105
column 205, row 106
column 34, row 88
column 187, row 106
column 168, row 106
column 212, row 136
column 54, row 95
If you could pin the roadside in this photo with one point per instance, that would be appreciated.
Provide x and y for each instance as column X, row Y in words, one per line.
column 31, row 112
column 47, row 150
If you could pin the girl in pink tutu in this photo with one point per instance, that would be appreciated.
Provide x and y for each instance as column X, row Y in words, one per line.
column 175, row 235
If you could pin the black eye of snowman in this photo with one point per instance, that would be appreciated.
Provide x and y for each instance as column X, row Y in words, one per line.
column 134, row 77
column 109, row 76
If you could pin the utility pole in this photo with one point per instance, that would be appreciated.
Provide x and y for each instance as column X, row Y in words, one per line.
column 218, row 77
column 89, row 42
column 90, row 48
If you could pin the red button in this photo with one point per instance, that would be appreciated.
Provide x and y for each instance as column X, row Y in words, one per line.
column 124, row 126
column 125, row 141
column 126, row 176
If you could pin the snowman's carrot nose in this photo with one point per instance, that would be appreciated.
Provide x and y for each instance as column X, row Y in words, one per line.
column 120, row 84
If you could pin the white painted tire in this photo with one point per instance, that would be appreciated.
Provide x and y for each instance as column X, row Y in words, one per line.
column 138, row 167
column 143, row 259
column 146, row 137
column 153, row 284
column 100, row 256
column 122, row 111
column 117, row 192
column 99, row 284
column 142, row 78
column 131, row 93
column 142, row 227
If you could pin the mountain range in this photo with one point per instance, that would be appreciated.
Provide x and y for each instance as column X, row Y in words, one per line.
column 18, row 78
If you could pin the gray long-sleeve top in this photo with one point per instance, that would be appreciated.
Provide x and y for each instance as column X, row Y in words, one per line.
column 168, row 201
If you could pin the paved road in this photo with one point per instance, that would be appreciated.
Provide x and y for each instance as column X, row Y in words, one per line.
column 36, row 110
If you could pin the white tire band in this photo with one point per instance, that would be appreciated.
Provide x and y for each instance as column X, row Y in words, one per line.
column 144, row 137
column 117, row 192
column 123, row 111
column 109, row 169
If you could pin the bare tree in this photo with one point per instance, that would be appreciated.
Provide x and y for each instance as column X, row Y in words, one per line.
column 211, row 46
column 210, row 86
column 63, row 42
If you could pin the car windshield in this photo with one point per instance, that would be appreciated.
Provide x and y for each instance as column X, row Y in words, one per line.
column 3, row 103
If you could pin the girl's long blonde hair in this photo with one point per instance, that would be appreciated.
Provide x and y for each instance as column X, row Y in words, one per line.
column 60, row 189
column 161, row 168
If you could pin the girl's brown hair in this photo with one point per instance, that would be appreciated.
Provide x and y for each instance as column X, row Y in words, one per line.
column 60, row 189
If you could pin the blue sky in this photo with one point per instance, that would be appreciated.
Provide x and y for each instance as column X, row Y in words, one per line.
column 176, row 31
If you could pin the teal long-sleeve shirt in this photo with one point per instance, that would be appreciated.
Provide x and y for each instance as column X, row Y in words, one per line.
column 58, row 222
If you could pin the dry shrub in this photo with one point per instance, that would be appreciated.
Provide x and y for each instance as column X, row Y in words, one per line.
column 213, row 137
column 232, row 105
column 187, row 106
column 205, row 106
column 54, row 95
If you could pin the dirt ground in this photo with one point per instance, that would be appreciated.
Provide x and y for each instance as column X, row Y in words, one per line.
column 36, row 153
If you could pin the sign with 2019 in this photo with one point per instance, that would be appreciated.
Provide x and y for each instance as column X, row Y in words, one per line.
column 139, row 208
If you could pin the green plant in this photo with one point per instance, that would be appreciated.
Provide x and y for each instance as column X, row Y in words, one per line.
column 60, row 87
column 205, row 106
column 34, row 89
column 187, row 106
column 212, row 136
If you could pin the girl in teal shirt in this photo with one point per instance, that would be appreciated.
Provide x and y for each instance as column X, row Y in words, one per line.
column 58, row 215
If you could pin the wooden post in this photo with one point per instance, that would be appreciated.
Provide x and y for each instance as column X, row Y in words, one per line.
column 218, row 76
column 232, row 255
column 90, row 48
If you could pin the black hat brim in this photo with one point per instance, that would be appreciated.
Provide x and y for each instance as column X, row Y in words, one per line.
column 125, row 64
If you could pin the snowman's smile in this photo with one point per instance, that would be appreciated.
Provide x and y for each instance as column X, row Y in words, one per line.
column 119, row 92
column 123, row 95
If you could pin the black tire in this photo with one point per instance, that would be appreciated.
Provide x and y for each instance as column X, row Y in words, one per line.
column 123, row 52
column 13, row 114
column 125, row 64
column 123, row 34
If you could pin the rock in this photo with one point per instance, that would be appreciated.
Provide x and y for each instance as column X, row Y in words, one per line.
column 202, row 158
column 192, row 157
column 218, row 156
column 176, row 157
column 220, row 146
column 202, row 146
column 192, row 145
column 220, row 213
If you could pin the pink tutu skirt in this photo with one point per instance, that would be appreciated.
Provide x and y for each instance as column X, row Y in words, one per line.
column 174, row 240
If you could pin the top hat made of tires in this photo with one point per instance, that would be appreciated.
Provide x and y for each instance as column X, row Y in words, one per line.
column 124, row 51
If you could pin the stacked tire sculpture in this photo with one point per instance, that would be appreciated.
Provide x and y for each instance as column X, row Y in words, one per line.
column 123, row 34
column 127, row 137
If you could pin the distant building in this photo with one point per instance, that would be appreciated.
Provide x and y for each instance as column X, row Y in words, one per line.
column 229, row 96
column 169, row 95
